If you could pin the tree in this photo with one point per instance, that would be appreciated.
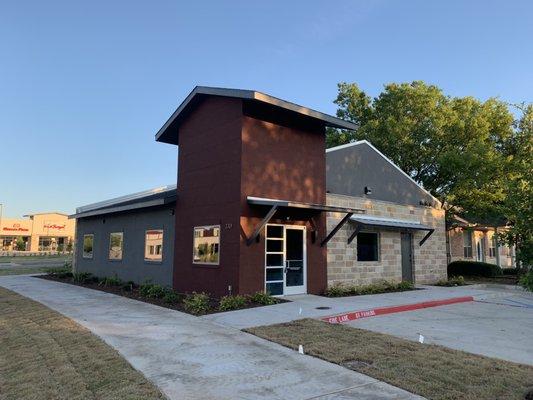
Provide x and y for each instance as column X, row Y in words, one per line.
column 20, row 244
column 471, row 155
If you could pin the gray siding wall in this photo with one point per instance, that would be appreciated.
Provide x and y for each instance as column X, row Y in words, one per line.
column 350, row 169
column 133, row 224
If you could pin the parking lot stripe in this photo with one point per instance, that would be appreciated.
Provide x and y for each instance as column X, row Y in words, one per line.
column 350, row 316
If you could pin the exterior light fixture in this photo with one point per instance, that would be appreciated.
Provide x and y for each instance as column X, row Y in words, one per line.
column 368, row 190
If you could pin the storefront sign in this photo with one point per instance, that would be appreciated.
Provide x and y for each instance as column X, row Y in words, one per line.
column 15, row 228
column 54, row 226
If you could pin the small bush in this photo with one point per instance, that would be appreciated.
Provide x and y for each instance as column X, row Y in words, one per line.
column 510, row 271
column 110, row 281
column 152, row 291
column 228, row 303
column 128, row 286
column 262, row 298
column 340, row 290
column 61, row 272
column 336, row 290
column 473, row 268
column 526, row 281
column 171, row 297
column 196, row 303
column 453, row 281
column 83, row 277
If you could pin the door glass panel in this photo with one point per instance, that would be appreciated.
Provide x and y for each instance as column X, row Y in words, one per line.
column 295, row 245
column 275, row 288
column 295, row 273
column 274, row 274
column 275, row 245
column 275, row 231
column 274, row 260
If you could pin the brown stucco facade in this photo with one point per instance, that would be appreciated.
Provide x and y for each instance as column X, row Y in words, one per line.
column 230, row 149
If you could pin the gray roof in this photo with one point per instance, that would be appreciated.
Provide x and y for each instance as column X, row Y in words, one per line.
column 147, row 198
column 370, row 220
column 164, row 136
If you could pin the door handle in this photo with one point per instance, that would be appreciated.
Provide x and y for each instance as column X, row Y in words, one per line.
column 286, row 267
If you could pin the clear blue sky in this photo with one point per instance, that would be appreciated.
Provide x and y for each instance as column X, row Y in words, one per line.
column 84, row 86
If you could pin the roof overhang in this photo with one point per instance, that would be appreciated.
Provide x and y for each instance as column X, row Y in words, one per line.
column 128, row 207
column 165, row 136
column 370, row 221
column 275, row 205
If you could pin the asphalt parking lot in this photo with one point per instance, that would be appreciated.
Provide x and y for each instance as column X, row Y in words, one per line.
column 499, row 327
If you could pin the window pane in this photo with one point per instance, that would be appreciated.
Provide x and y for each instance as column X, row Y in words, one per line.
column 274, row 274
column 153, row 239
column 274, row 260
column 88, row 246
column 206, row 245
column 275, row 245
column 274, row 231
column 115, row 245
column 367, row 246
column 274, row 288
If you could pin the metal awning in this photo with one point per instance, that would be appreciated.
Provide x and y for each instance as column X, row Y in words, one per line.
column 275, row 205
column 363, row 221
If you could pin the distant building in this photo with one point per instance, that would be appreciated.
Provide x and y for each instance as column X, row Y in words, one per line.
column 45, row 232
column 476, row 242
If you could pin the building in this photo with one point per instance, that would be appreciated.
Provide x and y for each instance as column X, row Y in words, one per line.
column 40, row 232
column 401, row 236
column 250, row 211
column 475, row 242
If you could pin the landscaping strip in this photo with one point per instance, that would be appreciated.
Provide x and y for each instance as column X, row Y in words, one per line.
column 432, row 371
column 44, row 355
column 350, row 316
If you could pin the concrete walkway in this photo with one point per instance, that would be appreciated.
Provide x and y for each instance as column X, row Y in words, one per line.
column 307, row 306
column 194, row 358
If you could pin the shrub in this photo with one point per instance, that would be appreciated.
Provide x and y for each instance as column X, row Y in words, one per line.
column 61, row 272
column 171, row 297
column 82, row 277
column 128, row 286
column 110, row 281
column 152, row 290
column 262, row 298
column 228, row 303
column 196, row 303
column 526, row 281
column 473, row 268
column 336, row 290
column 340, row 290
column 510, row 271
column 453, row 281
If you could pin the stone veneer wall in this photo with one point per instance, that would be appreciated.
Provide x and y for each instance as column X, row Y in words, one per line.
column 429, row 260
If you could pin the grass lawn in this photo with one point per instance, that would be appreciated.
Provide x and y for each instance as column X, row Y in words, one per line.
column 44, row 355
column 432, row 371
column 19, row 271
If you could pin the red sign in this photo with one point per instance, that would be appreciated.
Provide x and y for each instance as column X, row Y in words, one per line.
column 15, row 228
column 54, row 226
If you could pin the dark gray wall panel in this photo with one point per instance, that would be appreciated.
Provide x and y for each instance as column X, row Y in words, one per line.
column 350, row 169
column 132, row 266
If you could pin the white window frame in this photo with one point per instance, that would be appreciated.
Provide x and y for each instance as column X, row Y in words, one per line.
column 121, row 246
column 378, row 245
column 83, row 254
column 196, row 230
column 151, row 260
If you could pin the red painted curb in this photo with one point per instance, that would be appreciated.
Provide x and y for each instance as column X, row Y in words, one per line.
column 341, row 318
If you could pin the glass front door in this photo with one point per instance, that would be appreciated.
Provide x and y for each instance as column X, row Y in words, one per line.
column 285, row 260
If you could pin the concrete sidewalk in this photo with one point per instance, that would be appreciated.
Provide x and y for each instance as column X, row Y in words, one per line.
column 307, row 306
column 192, row 358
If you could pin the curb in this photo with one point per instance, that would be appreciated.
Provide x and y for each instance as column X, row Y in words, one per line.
column 351, row 316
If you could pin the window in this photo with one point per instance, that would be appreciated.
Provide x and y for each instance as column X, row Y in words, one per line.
column 206, row 244
column 116, row 242
column 153, row 245
column 467, row 244
column 367, row 246
column 88, row 246
column 493, row 246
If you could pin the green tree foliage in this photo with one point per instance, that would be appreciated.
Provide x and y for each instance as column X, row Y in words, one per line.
column 464, row 151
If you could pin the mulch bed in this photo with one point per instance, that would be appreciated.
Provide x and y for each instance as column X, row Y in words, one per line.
column 135, row 294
